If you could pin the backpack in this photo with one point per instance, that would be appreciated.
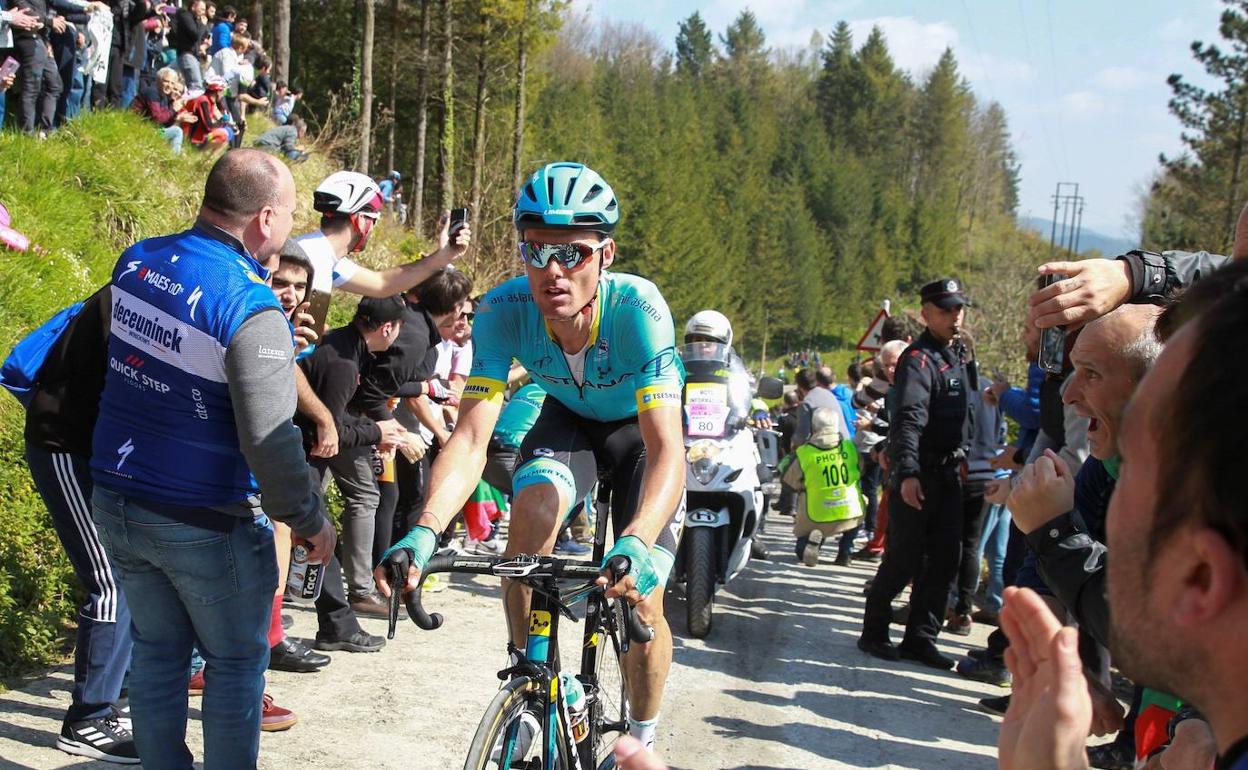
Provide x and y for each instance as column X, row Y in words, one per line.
column 20, row 371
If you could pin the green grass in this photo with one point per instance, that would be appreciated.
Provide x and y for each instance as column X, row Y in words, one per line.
column 84, row 195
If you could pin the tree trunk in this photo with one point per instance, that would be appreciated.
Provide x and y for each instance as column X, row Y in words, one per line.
column 446, row 145
column 257, row 22
column 422, row 119
column 522, row 67
column 478, row 131
column 394, row 82
column 366, row 87
column 281, row 41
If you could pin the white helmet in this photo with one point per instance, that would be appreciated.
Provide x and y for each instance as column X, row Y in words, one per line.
column 710, row 323
column 347, row 193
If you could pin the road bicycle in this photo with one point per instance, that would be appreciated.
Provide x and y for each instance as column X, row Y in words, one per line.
column 534, row 723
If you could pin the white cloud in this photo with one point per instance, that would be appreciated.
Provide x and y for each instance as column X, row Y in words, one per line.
column 1178, row 29
column 1082, row 103
column 916, row 46
column 1119, row 78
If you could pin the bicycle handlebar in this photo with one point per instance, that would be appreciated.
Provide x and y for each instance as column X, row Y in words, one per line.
column 519, row 567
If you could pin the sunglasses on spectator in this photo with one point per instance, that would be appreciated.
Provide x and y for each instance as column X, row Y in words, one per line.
column 569, row 255
column 452, row 319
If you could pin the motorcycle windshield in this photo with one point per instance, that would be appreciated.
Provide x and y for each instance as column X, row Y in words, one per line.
column 717, row 390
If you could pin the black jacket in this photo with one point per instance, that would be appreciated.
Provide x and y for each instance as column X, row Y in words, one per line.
column 1155, row 276
column 333, row 371
column 61, row 416
column 1072, row 554
column 400, row 370
column 929, row 414
column 187, row 33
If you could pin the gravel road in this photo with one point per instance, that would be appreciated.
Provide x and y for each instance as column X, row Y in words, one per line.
column 778, row 684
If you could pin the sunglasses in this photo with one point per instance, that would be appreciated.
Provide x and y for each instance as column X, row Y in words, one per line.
column 569, row 255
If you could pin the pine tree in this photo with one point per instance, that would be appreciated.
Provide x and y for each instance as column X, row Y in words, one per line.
column 694, row 49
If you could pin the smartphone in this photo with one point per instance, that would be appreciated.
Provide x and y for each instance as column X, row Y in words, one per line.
column 318, row 308
column 459, row 218
column 1052, row 340
column 9, row 67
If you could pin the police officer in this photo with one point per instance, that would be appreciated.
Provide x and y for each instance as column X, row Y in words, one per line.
column 925, row 507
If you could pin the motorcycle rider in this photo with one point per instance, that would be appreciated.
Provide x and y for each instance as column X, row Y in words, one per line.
column 709, row 328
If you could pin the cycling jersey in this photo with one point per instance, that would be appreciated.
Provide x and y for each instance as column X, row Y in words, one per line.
column 166, row 431
column 630, row 361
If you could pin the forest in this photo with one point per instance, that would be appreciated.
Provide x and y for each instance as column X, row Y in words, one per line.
column 793, row 189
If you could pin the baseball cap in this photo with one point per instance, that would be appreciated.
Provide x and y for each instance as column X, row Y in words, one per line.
column 379, row 310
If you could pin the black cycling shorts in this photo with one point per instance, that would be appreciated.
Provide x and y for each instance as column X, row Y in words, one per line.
column 572, row 452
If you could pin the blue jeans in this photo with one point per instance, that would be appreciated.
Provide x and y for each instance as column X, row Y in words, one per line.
column 173, row 135
column 993, row 539
column 188, row 586
column 129, row 86
column 188, row 65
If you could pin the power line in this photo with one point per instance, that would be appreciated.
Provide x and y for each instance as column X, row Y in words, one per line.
column 1041, row 115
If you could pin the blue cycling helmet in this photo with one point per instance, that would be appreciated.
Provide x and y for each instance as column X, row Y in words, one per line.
column 566, row 196
column 396, row 176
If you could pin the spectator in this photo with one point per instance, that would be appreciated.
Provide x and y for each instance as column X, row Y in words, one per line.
column 40, row 83
column 185, row 476
column 222, row 30
column 211, row 130
column 333, row 372
column 871, row 437
column 813, row 397
column 128, row 49
column 166, row 106
column 189, row 33
column 285, row 140
column 284, row 100
column 1178, row 577
column 12, row 18
column 825, row 478
column 229, row 65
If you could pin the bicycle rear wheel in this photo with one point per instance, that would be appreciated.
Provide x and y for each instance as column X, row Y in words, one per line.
column 520, row 700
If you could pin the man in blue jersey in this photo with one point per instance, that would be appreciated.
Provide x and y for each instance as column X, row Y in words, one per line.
column 195, row 424
column 602, row 346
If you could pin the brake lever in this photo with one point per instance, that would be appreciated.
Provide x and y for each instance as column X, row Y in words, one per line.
column 396, row 573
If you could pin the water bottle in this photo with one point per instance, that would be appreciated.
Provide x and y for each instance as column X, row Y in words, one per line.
column 303, row 581
column 578, row 711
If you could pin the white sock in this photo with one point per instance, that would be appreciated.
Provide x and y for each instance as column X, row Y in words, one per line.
column 644, row 731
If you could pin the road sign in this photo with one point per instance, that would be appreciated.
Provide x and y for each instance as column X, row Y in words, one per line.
column 872, row 340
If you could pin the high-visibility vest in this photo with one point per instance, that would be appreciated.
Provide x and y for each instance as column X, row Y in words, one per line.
column 831, row 477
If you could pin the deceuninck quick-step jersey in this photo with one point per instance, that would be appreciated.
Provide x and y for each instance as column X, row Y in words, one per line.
column 630, row 361
column 166, row 430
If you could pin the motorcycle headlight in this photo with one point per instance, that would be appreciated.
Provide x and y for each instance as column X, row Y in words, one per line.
column 703, row 457
column 704, row 469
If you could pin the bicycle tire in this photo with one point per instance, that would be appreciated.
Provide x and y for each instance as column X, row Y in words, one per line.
column 612, row 695
column 700, row 580
column 512, row 700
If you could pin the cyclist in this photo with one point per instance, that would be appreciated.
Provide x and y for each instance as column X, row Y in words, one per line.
column 601, row 345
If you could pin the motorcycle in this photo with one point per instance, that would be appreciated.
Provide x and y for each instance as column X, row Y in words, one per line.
column 723, row 488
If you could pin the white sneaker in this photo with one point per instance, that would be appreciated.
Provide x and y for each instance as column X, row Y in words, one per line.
column 810, row 554
column 492, row 547
column 525, row 732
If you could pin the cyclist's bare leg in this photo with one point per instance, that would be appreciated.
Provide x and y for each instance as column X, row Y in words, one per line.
column 535, row 521
column 646, row 665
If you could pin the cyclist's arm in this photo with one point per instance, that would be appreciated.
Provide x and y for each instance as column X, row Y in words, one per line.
column 663, row 481
column 460, row 463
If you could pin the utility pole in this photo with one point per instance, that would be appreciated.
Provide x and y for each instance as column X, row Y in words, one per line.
column 1068, row 211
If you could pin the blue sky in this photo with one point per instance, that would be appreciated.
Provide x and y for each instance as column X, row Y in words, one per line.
column 1083, row 83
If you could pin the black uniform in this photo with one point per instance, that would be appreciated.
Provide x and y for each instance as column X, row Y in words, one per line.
column 926, row 438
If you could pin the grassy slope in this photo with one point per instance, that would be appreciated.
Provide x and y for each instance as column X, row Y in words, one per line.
column 84, row 195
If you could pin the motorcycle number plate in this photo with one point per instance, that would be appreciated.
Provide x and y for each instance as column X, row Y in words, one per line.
column 706, row 407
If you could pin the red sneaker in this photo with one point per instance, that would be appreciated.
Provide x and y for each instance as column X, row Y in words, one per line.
column 196, row 685
column 274, row 718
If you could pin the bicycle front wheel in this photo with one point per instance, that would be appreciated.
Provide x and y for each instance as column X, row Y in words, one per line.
column 611, row 709
column 510, row 734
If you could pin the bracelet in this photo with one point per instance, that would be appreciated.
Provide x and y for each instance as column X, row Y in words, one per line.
column 423, row 514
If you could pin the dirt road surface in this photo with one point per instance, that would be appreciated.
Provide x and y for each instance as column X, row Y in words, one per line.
column 779, row 683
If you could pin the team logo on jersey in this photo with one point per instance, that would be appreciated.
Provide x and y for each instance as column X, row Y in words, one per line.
column 147, row 328
column 124, row 451
column 542, row 451
column 130, row 268
column 193, row 300
column 129, row 368
column 160, row 281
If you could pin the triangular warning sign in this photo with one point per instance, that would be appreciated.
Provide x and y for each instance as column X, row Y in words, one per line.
column 873, row 339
